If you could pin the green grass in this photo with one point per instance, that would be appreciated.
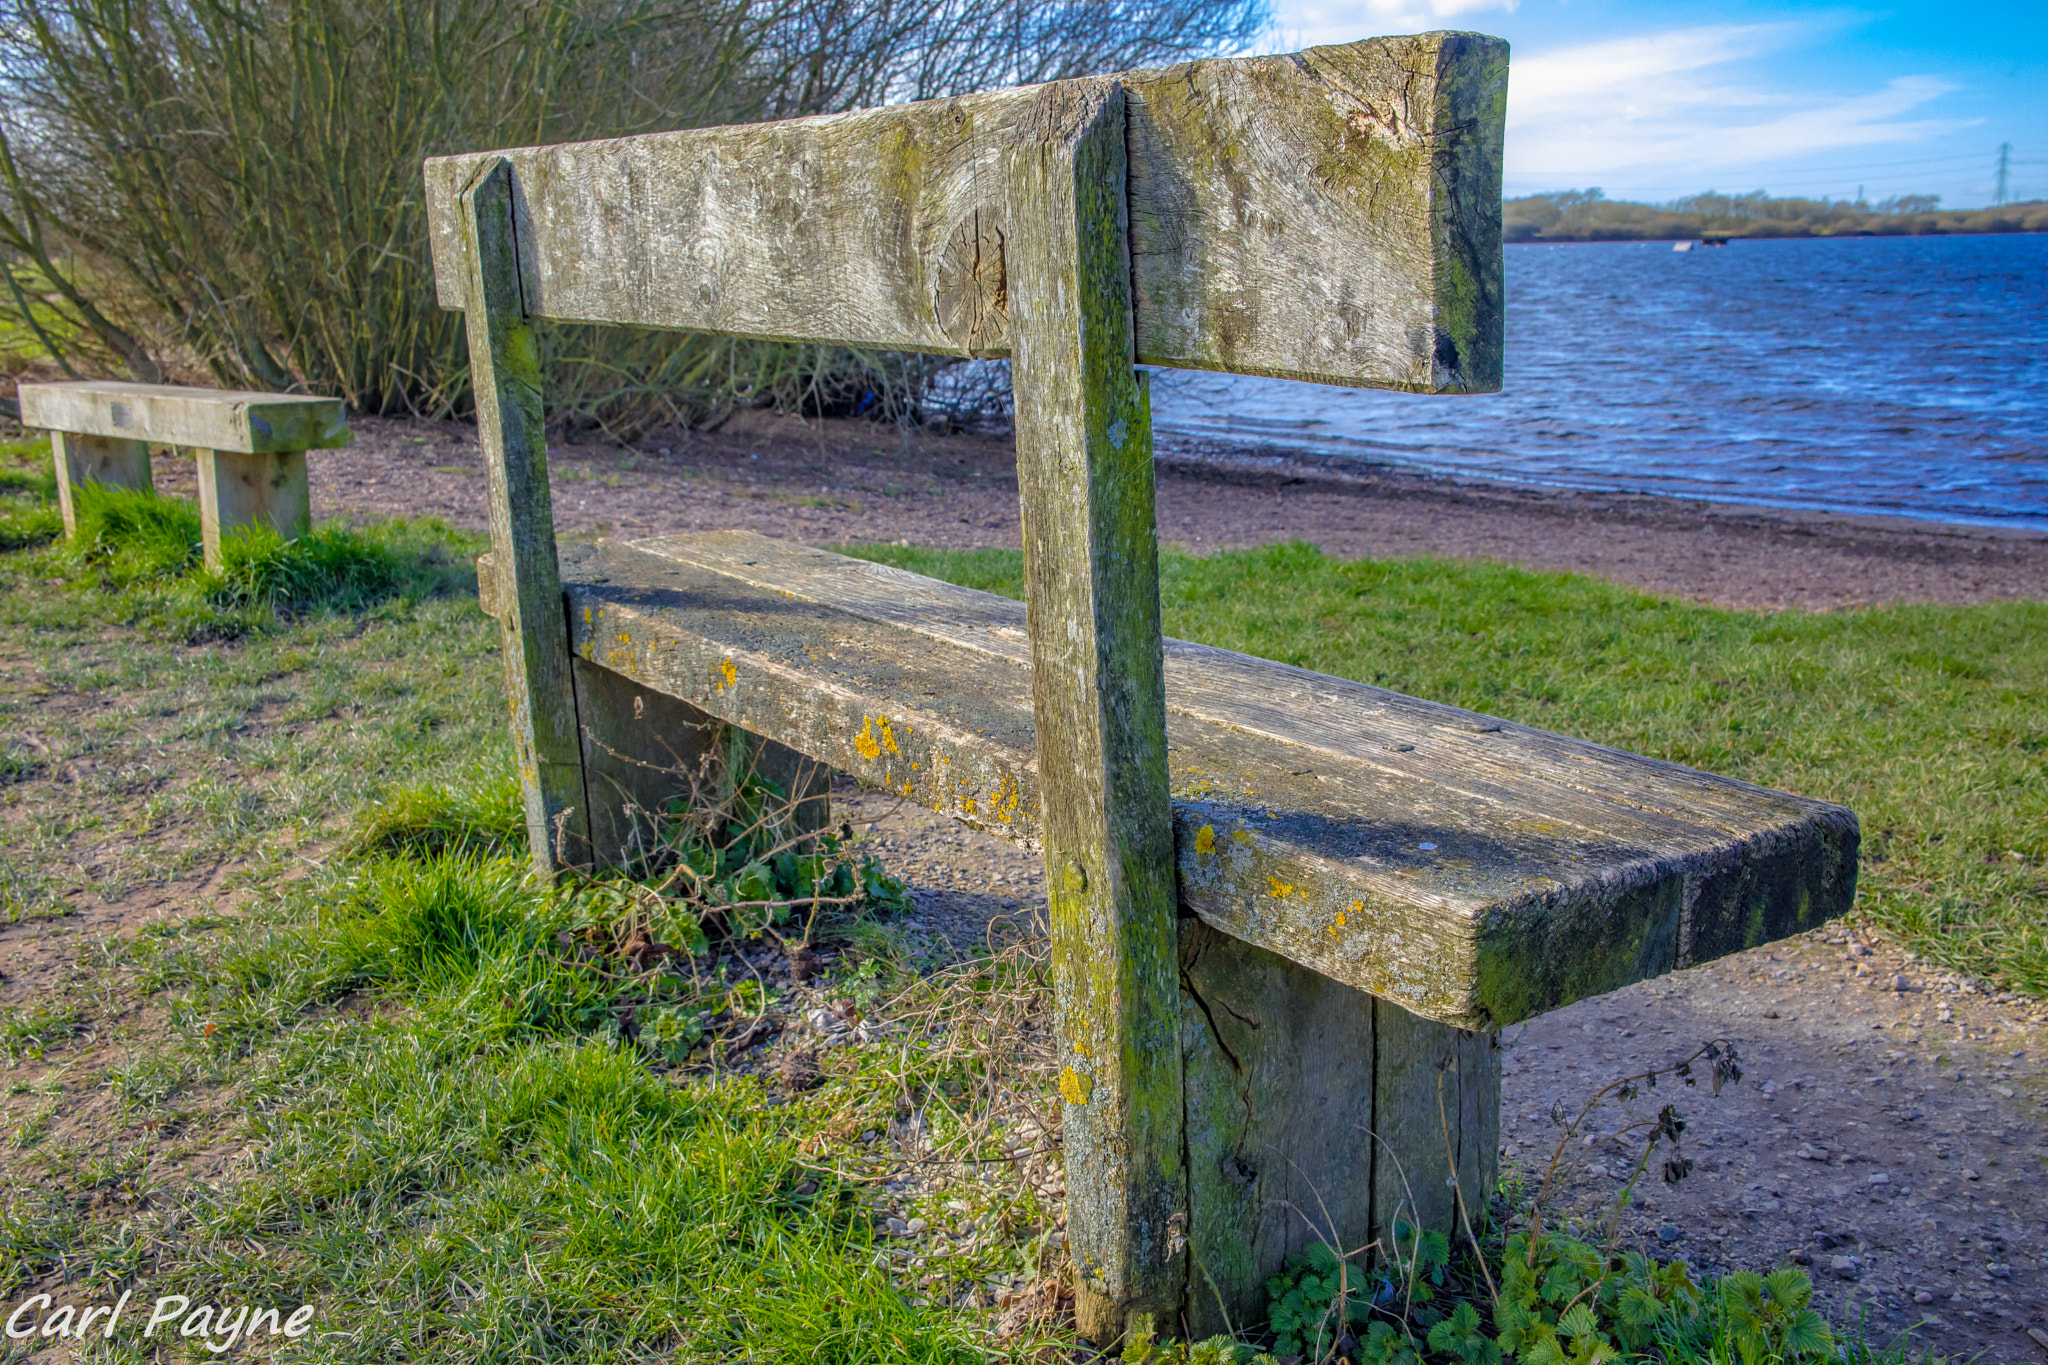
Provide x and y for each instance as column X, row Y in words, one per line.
column 455, row 1151
column 1930, row 722
column 231, row 716
column 460, row 1157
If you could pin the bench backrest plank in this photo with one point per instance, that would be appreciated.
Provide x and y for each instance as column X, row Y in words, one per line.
column 207, row 419
column 1332, row 216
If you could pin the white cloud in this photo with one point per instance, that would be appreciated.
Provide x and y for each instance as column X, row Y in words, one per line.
column 1669, row 104
column 1312, row 25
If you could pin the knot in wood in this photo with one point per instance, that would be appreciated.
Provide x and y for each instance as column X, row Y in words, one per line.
column 973, row 300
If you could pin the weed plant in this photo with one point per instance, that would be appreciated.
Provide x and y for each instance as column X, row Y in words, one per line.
column 1930, row 722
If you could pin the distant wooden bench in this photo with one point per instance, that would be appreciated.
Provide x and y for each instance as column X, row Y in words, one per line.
column 1289, row 912
column 251, row 447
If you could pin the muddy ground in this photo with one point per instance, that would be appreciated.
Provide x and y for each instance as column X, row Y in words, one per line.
column 1887, row 1129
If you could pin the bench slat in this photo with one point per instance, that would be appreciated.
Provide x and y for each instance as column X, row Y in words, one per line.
column 1561, row 869
column 169, row 414
column 1332, row 216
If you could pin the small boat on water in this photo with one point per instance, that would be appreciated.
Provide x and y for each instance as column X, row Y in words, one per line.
column 1683, row 246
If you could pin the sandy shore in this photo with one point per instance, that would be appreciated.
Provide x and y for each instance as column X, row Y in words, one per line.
column 853, row 481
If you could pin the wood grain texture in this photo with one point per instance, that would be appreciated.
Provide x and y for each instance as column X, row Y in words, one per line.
column 1317, row 1113
column 1333, row 215
column 1561, row 869
column 1436, row 1109
column 238, row 491
column 1279, row 1066
column 504, row 360
column 204, row 419
column 113, row 461
column 1091, row 569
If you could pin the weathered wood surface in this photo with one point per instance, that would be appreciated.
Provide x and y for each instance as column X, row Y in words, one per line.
column 1312, row 1118
column 504, row 360
column 238, row 490
column 1557, row 869
column 1091, row 567
column 1332, row 215
column 112, row 461
column 170, row 414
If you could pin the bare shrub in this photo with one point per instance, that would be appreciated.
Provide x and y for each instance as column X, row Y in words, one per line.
column 232, row 187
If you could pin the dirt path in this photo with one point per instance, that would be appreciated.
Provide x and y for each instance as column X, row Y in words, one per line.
column 854, row 481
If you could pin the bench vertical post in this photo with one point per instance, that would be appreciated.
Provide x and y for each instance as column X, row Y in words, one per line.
column 1084, row 471
column 113, row 461
column 238, row 489
column 504, row 363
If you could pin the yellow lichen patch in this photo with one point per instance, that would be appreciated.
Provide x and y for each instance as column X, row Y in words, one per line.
column 1280, row 888
column 1205, row 840
column 1007, row 797
column 1082, row 1049
column 1343, row 915
column 967, row 804
column 732, row 675
column 907, row 790
column 864, row 742
column 1075, row 1087
column 889, row 739
column 1242, row 836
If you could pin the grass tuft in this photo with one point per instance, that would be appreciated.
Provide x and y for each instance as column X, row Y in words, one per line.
column 480, row 812
column 330, row 568
column 132, row 536
column 30, row 527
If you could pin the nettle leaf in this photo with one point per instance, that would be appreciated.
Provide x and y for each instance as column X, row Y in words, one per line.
column 1579, row 1322
column 1807, row 1334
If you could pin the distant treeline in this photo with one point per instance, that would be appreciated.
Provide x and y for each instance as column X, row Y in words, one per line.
column 1590, row 216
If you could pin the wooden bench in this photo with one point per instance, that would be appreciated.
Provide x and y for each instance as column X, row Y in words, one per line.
column 251, row 447
column 1289, row 912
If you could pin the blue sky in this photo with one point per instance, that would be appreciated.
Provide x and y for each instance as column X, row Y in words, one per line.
column 1651, row 99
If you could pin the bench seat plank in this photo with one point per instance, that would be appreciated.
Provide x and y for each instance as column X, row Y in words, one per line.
column 1302, row 803
column 169, row 414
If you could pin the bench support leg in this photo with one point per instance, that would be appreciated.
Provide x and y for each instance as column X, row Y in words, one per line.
column 1084, row 470
column 1317, row 1113
column 643, row 749
column 504, row 365
column 109, row 460
column 238, row 490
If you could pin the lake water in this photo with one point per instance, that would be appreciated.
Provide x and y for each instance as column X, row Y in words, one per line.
column 1904, row 376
